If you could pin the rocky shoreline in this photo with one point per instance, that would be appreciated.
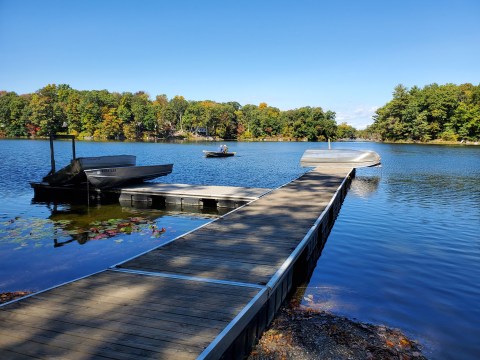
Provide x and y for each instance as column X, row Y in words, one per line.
column 303, row 334
column 9, row 296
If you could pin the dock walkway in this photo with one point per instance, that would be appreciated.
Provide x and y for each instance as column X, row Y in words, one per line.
column 208, row 294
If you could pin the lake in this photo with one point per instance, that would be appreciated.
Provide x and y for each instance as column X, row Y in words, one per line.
column 404, row 250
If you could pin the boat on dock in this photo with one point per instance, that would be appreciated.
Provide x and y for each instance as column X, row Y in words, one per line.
column 104, row 178
column 211, row 154
column 340, row 158
column 101, row 171
column 74, row 173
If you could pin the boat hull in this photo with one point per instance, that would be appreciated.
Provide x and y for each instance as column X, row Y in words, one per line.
column 340, row 158
column 117, row 176
column 217, row 154
column 73, row 173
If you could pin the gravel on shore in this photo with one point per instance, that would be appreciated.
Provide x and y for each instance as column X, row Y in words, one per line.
column 9, row 296
column 302, row 334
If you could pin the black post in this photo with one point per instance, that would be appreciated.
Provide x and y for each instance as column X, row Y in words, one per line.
column 52, row 155
column 73, row 148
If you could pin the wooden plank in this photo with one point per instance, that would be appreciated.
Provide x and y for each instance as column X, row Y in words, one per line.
column 148, row 333
column 40, row 350
column 223, row 271
column 172, row 309
column 12, row 354
column 137, row 286
column 48, row 344
column 217, row 255
column 69, row 344
column 134, row 316
column 199, row 191
column 202, row 263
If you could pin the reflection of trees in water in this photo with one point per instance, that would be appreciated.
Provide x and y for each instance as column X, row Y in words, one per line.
column 364, row 186
column 83, row 224
column 99, row 230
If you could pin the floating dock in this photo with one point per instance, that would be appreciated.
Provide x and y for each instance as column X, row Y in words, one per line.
column 208, row 294
column 151, row 194
column 190, row 195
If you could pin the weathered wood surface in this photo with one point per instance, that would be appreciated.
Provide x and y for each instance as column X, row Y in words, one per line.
column 121, row 316
column 185, row 295
column 269, row 229
column 199, row 191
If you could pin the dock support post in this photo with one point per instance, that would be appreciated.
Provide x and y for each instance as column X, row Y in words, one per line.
column 73, row 148
column 52, row 155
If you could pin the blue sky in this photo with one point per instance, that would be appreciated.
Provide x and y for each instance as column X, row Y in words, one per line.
column 346, row 56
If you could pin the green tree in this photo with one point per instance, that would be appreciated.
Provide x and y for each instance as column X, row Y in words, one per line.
column 143, row 113
column 225, row 121
column 12, row 108
column 162, row 126
column 435, row 111
column 112, row 125
column 178, row 105
column 345, row 131
column 251, row 120
column 46, row 112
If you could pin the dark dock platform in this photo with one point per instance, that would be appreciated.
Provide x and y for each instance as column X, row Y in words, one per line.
column 155, row 194
column 209, row 294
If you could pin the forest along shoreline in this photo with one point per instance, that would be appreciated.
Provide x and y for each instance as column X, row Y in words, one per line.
column 299, row 333
column 446, row 112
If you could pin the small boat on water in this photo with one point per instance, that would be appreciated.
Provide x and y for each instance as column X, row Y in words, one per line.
column 115, row 176
column 217, row 153
column 340, row 158
column 73, row 173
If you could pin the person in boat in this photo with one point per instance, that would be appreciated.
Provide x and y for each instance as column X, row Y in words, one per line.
column 223, row 149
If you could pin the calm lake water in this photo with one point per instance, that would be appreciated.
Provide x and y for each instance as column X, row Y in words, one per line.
column 403, row 252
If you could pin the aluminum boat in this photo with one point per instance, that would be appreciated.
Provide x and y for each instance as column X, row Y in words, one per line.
column 115, row 176
column 340, row 158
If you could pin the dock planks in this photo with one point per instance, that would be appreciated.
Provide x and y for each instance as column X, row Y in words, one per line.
column 191, row 298
column 199, row 191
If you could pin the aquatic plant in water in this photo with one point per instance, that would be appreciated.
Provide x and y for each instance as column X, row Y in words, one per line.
column 36, row 231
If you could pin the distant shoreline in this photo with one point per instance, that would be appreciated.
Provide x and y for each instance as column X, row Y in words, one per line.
column 211, row 139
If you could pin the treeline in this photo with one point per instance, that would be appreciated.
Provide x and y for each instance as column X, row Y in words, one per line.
column 105, row 115
column 436, row 112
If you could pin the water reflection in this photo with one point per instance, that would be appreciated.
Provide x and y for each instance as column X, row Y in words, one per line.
column 430, row 190
column 104, row 229
column 71, row 222
column 364, row 186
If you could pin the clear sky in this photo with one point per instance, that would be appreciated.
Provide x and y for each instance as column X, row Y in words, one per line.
column 346, row 56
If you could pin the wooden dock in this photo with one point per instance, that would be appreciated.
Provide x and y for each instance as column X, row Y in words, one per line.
column 155, row 194
column 208, row 294
column 190, row 195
